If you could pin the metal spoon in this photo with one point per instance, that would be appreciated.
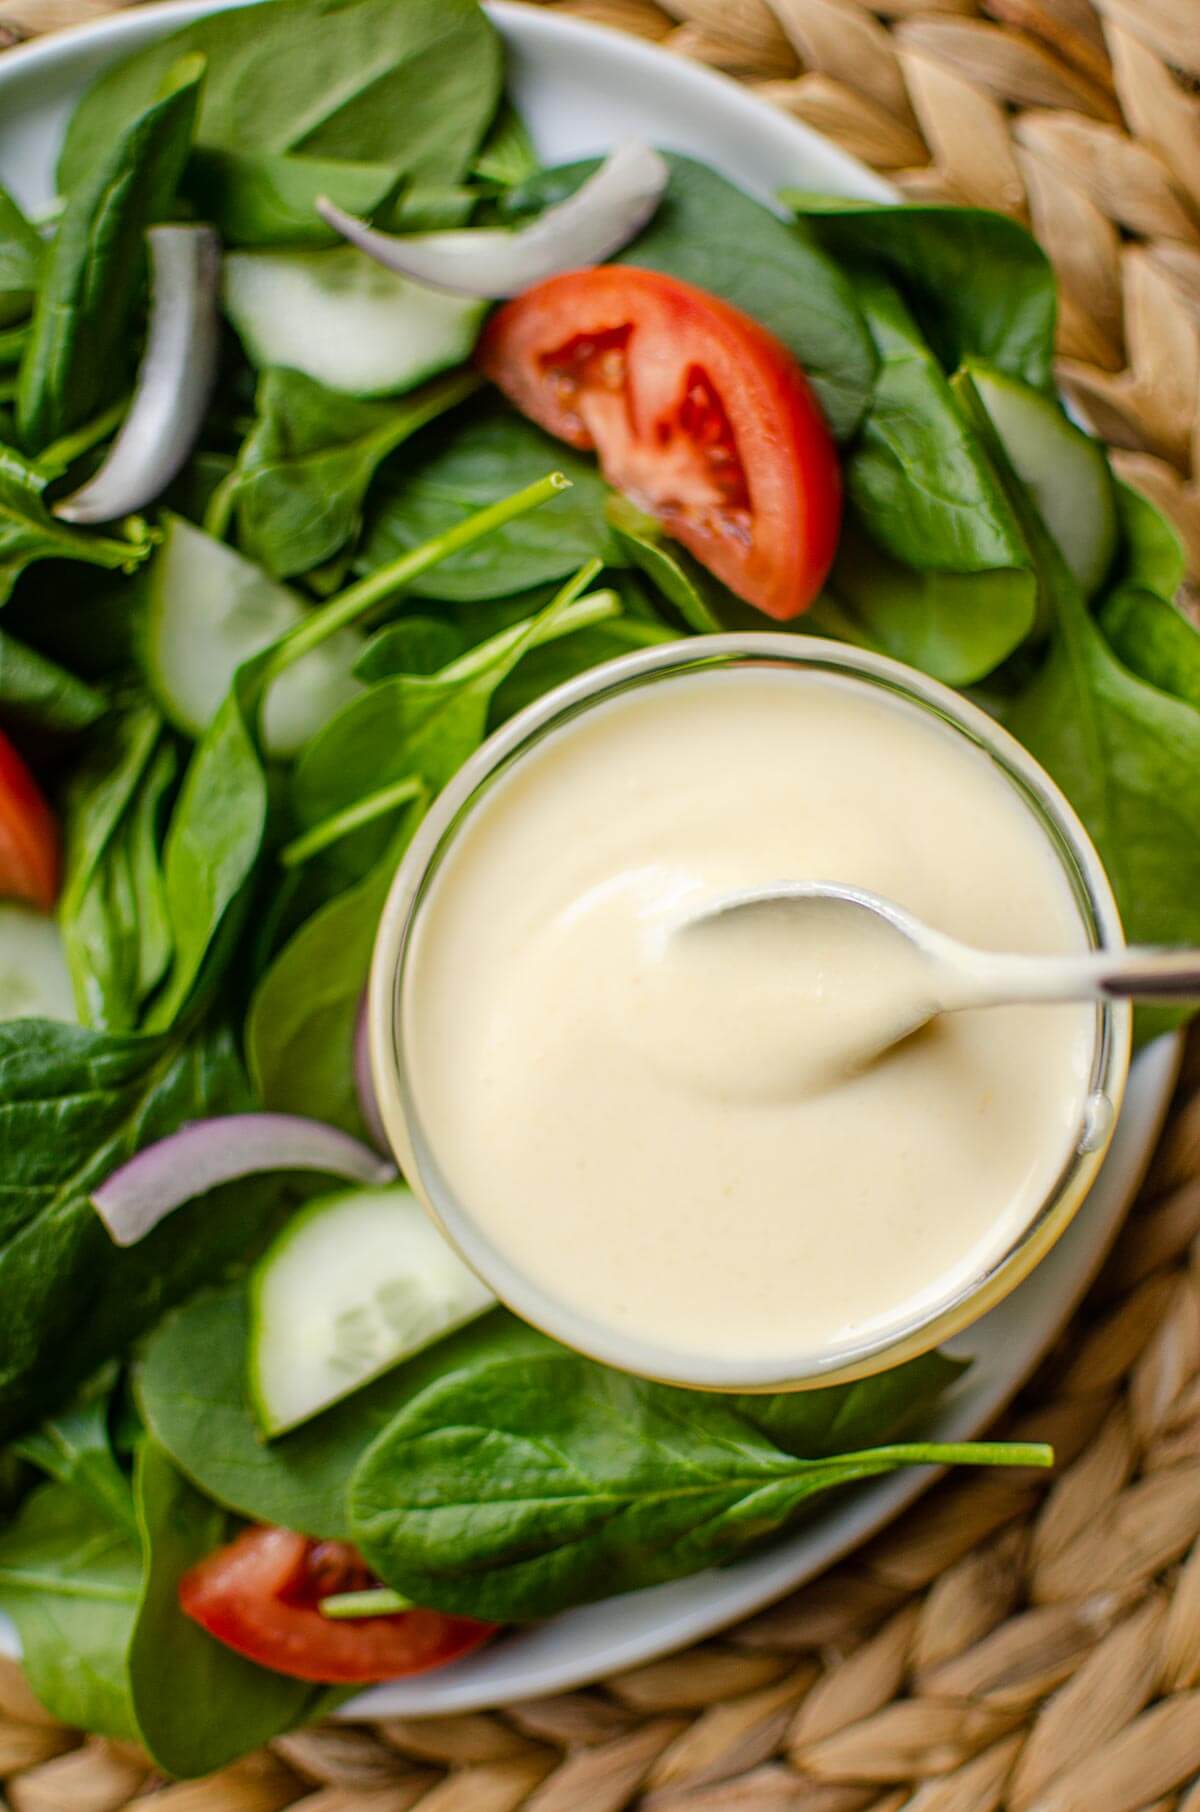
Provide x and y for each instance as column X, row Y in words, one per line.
column 930, row 973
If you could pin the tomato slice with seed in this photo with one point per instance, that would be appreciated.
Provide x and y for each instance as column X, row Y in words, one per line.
column 696, row 412
column 261, row 1595
column 29, row 849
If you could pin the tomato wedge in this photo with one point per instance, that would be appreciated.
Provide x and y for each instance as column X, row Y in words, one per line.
column 697, row 413
column 261, row 1594
column 29, row 860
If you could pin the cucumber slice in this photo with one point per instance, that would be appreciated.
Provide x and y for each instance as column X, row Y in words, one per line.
column 354, row 1284
column 35, row 982
column 209, row 611
column 341, row 318
column 1064, row 468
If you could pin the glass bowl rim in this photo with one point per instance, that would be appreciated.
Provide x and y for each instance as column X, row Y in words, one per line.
column 502, row 751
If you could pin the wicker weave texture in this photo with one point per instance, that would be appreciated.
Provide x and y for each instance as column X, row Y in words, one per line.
column 1013, row 1644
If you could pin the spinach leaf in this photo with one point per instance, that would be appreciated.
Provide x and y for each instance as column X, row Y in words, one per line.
column 120, row 943
column 28, row 531
column 1119, row 748
column 151, row 914
column 197, row 1704
column 191, row 1388
column 409, row 645
column 79, row 351
column 676, row 580
column 707, row 232
column 35, row 690
column 556, row 662
column 814, row 1424
column 87, row 620
column 955, row 626
column 412, row 86
column 1154, row 640
column 470, row 461
column 979, row 284
column 95, row 1600
column 21, row 254
column 301, row 1025
column 303, row 472
column 421, row 645
column 425, row 726
column 12, row 345
column 507, row 156
column 113, row 912
column 69, row 1579
column 432, row 207
column 1144, row 628
column 918, row 475
column 216, row 832
column 515, row 1488
column 100, row 791
column 76, row 1448
column 261, row 198
column 711, row 234
column 695, row 594
column 932, row 564
column 214, row 837
column 197, row 490
column 74, row 1105
column 1151, row 554
column 482, row 618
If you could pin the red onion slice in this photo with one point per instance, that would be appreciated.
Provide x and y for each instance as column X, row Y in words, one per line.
column 174, row 380
column 143, row 1192
column 609, row 210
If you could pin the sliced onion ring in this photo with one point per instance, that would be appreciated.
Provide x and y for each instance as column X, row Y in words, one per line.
column 609, row 210
column 174, row 380
column 199, row 1157
column 364, row 1086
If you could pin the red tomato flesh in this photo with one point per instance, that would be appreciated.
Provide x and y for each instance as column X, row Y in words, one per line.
column 697, row 413
column 29, row 859
column 261, row 1596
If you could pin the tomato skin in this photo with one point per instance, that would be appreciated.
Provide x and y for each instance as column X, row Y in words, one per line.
column 29, row 849
column 260, row 1596
column 696, row 412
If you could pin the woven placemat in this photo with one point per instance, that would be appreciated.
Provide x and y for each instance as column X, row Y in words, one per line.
column 1015, row 1643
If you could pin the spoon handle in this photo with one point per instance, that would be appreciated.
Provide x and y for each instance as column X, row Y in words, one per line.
column 1133, row 974
column 1150, row 975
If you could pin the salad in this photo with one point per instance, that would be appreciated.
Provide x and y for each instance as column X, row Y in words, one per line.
column 291, row 515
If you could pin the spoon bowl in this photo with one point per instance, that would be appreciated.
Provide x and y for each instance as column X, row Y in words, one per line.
column 915, row 972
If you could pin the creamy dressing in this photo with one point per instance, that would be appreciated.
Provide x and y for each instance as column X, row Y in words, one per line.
column 667, row 1132
column 814, row 990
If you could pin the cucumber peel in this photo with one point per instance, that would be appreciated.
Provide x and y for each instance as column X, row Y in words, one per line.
column 35, row 982
column 209, row 610
column 342, row 319
column 1064, row 469
column 354, row 1284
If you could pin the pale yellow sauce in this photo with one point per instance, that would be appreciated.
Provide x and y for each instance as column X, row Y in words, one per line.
column 660, row 1131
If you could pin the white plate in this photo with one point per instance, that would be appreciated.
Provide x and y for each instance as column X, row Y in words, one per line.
column 583, row 89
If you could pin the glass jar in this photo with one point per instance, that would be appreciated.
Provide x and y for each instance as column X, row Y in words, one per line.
column 506, row 749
